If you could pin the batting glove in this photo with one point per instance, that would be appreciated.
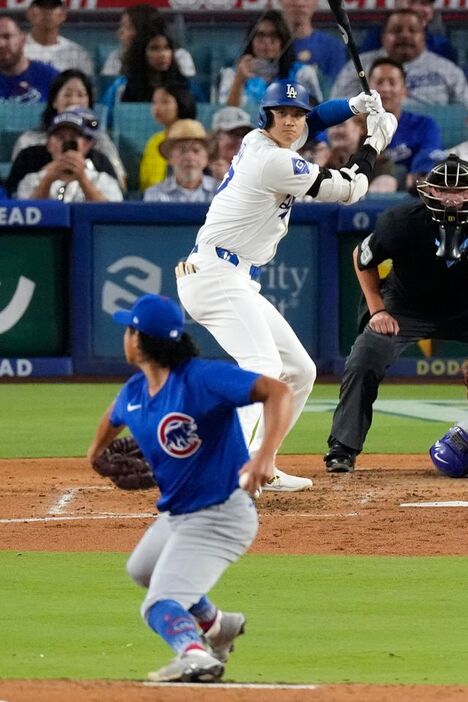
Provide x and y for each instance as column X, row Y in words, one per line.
column 381, row 126
column 366, row 103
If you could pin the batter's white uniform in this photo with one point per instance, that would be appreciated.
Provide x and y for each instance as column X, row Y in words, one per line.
column 247, row 218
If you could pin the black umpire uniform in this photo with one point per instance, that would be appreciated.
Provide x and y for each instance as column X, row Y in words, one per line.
column 427, row 294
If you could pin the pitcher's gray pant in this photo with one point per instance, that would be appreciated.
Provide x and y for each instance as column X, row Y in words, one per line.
column 366, row 365
column 181, row 557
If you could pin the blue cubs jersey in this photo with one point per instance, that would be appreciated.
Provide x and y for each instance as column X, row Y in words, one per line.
column 189, row 431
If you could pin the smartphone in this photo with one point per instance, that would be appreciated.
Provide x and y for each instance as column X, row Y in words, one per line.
column 70, row 145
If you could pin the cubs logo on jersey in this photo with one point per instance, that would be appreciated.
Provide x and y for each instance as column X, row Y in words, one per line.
column 177, row 435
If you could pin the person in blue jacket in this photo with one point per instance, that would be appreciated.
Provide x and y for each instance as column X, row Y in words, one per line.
column 416, row 145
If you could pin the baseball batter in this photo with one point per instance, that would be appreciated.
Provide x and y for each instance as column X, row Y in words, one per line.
column 182, row 412
column 219, row 283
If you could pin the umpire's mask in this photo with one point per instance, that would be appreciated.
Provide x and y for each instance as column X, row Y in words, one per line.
column 445, row 194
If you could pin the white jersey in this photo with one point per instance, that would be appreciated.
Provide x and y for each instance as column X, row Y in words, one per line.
column 63, row 55
column 249, row 215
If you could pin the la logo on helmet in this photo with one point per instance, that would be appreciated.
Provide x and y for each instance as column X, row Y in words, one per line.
column 291, row 92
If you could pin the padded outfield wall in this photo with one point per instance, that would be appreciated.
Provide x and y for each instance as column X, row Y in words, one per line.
column 65, row 269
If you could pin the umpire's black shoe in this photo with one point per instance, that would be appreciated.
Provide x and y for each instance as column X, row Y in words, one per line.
column 340, row 459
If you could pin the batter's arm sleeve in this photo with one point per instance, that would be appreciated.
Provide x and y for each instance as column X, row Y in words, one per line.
column 327, row 114
column 105, row 433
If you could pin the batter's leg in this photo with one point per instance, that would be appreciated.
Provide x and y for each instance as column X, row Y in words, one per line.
column 298, row 370
column 227, row 303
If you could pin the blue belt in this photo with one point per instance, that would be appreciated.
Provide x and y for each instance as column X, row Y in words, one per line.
column 254, row 271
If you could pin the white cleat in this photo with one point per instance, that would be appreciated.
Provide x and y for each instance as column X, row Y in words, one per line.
column 282, row 482
column 231, row 625
column 193, row 666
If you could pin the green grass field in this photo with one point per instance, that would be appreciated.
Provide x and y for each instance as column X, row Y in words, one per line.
column 60, row 419
column 311, row 619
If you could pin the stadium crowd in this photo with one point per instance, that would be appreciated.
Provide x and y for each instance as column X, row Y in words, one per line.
column 79, row 147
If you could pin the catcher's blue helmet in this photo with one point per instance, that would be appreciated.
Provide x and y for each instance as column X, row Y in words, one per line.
column 450, row 453
column 282, row 93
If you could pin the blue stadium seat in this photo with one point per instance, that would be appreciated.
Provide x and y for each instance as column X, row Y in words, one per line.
column 450, row 118
column 15, row 118
column 132, row 127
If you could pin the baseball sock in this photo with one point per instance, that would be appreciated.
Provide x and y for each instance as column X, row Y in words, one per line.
column 175, row 625
column 205, row 612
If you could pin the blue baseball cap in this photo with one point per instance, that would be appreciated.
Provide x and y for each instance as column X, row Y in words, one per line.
column 155, row 315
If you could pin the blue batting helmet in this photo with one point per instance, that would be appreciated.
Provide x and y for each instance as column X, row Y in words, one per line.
column 282, row 93
column 450, row 453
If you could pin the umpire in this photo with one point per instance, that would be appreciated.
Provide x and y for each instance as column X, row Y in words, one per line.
column 424, row 296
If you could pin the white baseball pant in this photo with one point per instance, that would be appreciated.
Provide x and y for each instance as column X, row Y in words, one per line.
column 223, row 298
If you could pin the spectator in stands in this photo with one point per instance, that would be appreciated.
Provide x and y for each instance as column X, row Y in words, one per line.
column 21, row 80
column 45, row 43
column 417, row 143
column 317, row 150
column 229, row 126
column 429, row 77
column 147, row 63
column 344, row 140
column 137, row 21
column 268, row 56
column 217, row 165
column 311, row 46
column 186, row 150
column 436, row 40
column 170, row 103
column 71, row 88
column 66, row 168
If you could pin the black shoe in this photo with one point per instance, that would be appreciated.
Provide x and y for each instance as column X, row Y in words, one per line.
column 340, row 459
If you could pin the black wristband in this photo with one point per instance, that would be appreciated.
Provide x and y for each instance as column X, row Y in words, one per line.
column 377, row 312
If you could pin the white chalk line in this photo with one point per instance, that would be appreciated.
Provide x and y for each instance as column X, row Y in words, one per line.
column 80, row 518
column 69, row 494
column 451, row 503
column 233, row 686
column 309, row 515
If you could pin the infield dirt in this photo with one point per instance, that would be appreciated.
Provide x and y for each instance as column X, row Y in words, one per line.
column 358, row 513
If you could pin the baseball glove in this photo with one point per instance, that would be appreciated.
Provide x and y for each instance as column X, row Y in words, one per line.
column 123, row 462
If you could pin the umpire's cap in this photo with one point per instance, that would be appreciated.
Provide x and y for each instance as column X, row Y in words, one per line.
column 283, row 93
column 155, row 315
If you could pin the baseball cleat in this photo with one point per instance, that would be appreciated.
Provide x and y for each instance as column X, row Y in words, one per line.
column 193, row 666
column 282, row 482
column 232, row 625
column 339, row 459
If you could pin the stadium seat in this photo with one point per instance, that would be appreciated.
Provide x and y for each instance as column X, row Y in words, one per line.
column 133, row 125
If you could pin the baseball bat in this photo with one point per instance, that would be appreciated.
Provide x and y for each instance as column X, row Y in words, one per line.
column 342, row 19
